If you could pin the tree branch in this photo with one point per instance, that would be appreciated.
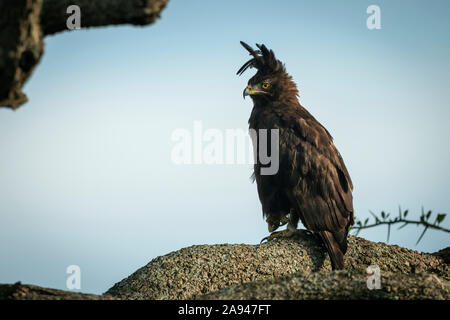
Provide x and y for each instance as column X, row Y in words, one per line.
column 383, row 220
column 21, row 47
column 24, row 23
column 391, row 222
column 100, row 13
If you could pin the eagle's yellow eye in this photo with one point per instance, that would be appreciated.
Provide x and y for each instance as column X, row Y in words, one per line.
column 265, row 85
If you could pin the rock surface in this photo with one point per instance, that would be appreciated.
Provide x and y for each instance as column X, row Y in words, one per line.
column 203, row 269
column 19, row 291
column 344, row 284
column 296, row 268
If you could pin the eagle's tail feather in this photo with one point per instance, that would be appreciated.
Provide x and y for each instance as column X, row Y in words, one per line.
column 336, row 244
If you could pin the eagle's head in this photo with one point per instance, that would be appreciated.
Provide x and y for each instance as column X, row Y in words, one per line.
column 271, row 81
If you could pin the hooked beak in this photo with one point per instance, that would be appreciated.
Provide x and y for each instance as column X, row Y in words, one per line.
column 247, row 91
column 250, row 90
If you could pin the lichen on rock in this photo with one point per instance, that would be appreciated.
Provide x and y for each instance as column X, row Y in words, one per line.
column 296, row 268
column 200, row 270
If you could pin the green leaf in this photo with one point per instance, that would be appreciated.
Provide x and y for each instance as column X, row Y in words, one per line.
column 428, row 215
column 405, row 213
column 383, row 214
column 365, row 222
column 440, row 217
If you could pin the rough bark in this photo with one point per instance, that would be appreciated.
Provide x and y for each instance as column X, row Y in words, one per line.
column 100, row 13
column 21, row 47
column 24, row 23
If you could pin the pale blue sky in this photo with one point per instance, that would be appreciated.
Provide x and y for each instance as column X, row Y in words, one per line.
column 85, row 170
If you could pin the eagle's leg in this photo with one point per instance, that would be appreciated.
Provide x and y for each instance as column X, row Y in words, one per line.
column 284, row 220
column 292, row 221
column 276, row 220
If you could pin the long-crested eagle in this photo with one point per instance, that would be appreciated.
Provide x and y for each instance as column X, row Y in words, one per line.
column 312, row 183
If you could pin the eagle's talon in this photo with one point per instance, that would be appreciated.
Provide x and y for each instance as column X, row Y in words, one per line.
column 279, row 234
column 286, row 234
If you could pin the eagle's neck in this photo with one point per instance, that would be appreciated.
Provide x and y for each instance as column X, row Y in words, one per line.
column 288, row 92
column 267, row 110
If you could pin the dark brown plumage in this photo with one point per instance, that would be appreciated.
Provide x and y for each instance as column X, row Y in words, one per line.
column 312, row 183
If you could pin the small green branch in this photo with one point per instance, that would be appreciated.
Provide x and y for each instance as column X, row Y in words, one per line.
column 401, row 218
